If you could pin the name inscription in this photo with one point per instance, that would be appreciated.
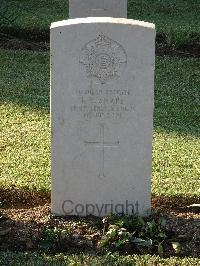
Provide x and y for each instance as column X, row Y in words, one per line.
column 102, row 104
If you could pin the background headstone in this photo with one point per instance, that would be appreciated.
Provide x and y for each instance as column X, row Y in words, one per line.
column 102, row 91
column 97, row 8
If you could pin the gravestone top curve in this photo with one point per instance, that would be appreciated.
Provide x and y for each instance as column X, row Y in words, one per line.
column 90, row 20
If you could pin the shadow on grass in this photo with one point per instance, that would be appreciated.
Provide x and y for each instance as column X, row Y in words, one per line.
column 177, row 96
column 25, row 79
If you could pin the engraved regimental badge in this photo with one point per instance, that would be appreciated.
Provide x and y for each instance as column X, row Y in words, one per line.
column 103, row 58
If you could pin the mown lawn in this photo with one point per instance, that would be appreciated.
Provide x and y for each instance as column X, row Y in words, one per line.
column 178, row 20
column 34, row 259
column 25, row 126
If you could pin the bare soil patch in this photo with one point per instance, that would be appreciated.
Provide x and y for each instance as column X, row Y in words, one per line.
column 26, row 215
column 21, row 198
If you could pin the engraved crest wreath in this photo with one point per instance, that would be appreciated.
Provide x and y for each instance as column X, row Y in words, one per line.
column 103, row 58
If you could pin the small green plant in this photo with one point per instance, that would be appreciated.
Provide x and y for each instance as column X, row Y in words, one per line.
column 54, row 237
column 3, row 216
column 142, row 234
column 48, row 239
column 116, row 237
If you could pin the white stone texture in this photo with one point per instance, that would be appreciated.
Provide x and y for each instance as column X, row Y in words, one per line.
column 97, row 8
column 102, row 94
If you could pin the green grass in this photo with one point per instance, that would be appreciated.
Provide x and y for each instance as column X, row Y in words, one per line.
column 34, row 15
column 178, row 20
column 25, row 144
column 32, row 19
column 176, row 164
column 31, row 259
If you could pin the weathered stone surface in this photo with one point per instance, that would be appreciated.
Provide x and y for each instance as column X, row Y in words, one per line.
column 102, row 91
column 97, row 8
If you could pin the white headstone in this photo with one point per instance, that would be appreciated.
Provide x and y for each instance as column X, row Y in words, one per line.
column 97, row 8
column 102, row 91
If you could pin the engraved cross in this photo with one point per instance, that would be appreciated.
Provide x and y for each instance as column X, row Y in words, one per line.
column 102, row 144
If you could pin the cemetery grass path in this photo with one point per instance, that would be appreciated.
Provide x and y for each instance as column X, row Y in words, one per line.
column 25, row 147
column 25, row 151
column 25, row 143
